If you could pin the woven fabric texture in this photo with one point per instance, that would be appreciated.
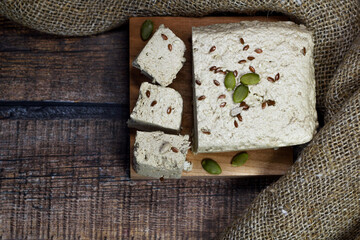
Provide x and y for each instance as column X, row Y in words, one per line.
column 319, row 198
column 335, row 23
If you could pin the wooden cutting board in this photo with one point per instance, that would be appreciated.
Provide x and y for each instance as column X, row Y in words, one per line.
column 261, row 162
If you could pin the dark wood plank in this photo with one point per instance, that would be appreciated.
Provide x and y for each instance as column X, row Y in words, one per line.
column 64, row 168
column 40, row 67
column 69, row 179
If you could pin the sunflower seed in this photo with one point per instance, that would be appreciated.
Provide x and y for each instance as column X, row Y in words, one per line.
column 236, row 124
column 239, row 117
column 270, row 102
column 146, row 29
column 270, row 79
column 263, row 105
column 277, row 76
column 164, row 36
column 205, row 132
column 303, row 51
column 216, row 82
column 244, row 106
column 201, row 98
column 174, row 149
column 218, row 70
column 223, row 104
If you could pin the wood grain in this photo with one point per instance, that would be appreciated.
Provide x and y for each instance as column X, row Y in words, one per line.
column 39, row 67
column 69, row 179
column 64, row 168
column 261, row 162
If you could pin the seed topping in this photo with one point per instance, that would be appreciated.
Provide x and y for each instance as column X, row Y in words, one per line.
column 164, row 36
column 223, row 104
column 270, row 79
column 242, row 61
column 244, row 106
column 303, row 51
column 213, row 48
column 201, row 98
column 212, row 68
column 268, row 103
column 230, row 81
column 250, row 78
column 235, row 73
column 250, row 58
column 242, row 41
column 252, row 69
column 174, row 149
column 218, row 70
column 222, row 96
column 258, row 50
column 246, row 47
column 169, row 110
column 216, row 82
column 153, row 103
column 277, row 76
column 236, row 124
column 148, row 93
column 170, row 47
column 263, row 105
column 198, row 82
column 205, row 132
column 239, row 117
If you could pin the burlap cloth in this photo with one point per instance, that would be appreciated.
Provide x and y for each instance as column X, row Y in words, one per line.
column 319, row 198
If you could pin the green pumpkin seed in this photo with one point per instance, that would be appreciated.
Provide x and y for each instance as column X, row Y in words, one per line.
column 211, row 166
column 240, row 93
column 146, row 29
column 239, row 159
column 250, row 79
column 230, row 81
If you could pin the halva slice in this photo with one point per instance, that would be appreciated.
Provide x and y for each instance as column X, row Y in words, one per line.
column 162, row 57
column 157, row 154
column 157, row 108
column 270, row 104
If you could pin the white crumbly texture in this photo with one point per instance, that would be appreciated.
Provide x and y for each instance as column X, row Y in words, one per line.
column 157, row 61
column 153, row 156
column 293, row 119
column 157, row 116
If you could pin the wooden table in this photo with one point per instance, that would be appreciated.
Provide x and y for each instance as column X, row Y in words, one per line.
column 64, row 149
